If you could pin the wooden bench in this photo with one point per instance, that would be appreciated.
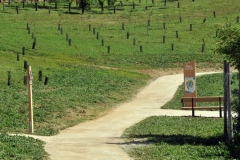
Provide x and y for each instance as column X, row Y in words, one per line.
column 202, row 99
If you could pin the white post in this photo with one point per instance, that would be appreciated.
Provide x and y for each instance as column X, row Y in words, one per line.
column 30, row 103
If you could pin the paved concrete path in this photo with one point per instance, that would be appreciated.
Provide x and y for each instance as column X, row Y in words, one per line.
column 100, row 139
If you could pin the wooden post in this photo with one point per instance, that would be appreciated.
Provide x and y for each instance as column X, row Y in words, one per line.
column 23, row 50
column 141, row 49
column 127, row 35
column 61, row 30
column 9, row 78
column 25, row 80
column 102, row 42
column 176, row 34
column 25, row 65
column 66, row 37
column 203, row 47
column 122, row 26
column 18, row 57
column 190, row 27
column 172, row 46
column 30, row 103
column 40, row 75
column 29, row 30
column 34, row 44
column 190, row 82
column 97, row 36
column 89, row 27
column 46, row 81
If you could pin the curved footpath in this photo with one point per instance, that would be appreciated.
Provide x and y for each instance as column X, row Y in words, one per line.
column 100, row 139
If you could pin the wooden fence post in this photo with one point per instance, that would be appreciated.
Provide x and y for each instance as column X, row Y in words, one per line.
column 30, row 103
column 89, row 27
column 18, row 57
column 141, row 50
column 66, row 37
column 40, row 75
column 46, row 80
column 25, row 80
column 102, row 42
column 23, row 50
column 9, row 78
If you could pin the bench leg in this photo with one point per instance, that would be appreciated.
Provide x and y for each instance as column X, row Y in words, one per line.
column 220, row 112
column 220, row 109
column 193, row 114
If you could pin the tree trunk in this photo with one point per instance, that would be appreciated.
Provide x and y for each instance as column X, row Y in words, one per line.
column 55, row 5
column 83, row 9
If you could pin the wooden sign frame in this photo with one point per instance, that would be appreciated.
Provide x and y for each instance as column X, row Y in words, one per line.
column 30, row 103
column 190, row 90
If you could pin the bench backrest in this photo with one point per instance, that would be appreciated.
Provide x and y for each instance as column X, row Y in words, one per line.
column 202, row 99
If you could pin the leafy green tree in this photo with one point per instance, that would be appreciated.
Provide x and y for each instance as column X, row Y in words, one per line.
column 83, row 4
column 111, row 2
column 229, row 46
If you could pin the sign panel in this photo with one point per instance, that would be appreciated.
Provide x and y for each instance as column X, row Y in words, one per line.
column 190, row 84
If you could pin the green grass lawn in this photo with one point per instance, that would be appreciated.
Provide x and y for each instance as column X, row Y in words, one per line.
column 85, row 80
column 161, row 137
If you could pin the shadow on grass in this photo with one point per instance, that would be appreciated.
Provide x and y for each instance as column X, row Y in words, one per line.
column 178, row 139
